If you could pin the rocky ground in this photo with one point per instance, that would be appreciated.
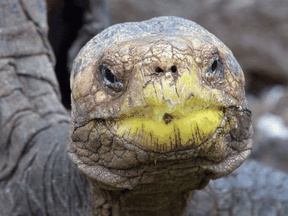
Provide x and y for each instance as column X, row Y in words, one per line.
column 256, row 32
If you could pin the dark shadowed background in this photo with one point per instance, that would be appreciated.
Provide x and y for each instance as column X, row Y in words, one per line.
column 255, row 30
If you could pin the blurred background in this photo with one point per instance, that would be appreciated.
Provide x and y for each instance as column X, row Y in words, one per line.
column 255, row 30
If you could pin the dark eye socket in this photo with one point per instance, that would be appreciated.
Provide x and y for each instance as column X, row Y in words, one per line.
column 214, row 65
column 111, row 79
column 109, row 75
column 215, row 73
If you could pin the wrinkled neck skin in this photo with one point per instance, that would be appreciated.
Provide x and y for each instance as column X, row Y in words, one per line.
column 126, row 202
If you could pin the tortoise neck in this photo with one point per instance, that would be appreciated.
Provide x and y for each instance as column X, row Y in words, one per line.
column 131, row 202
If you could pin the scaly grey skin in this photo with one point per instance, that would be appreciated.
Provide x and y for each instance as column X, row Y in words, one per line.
column 252, row 189
column 36, row 175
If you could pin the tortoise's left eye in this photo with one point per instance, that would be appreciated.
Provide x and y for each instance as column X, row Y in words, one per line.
column 214, row 66
column 215, row 73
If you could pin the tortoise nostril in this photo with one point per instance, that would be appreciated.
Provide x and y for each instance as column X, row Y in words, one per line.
column 158, row 69
column 173, row 68
column 167, row 118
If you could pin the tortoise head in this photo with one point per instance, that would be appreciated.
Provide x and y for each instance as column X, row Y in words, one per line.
column 158, row 91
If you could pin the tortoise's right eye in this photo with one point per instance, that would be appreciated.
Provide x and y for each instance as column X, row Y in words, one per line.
column 109, row 76
column 111, row 79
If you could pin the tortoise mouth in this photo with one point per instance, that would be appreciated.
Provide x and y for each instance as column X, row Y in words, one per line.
column 208, row 137
column 95, row 149
column 168, row 131
column 97, row 142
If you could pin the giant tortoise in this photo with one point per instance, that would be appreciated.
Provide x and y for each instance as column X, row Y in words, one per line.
column 158, row 110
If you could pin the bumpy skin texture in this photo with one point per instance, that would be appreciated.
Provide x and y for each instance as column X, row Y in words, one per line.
column 252, row 189
column 165, row 65
column 36, row 175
